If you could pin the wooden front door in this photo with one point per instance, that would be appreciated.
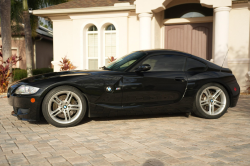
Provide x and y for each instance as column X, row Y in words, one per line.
column 195, row 39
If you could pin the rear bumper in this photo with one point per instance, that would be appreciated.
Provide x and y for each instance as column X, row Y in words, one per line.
column 24, row 109
column 234, row 101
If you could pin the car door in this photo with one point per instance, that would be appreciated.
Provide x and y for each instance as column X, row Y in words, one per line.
column 165, row 83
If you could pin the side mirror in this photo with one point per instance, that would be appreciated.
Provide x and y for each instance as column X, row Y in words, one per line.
column 144, row 67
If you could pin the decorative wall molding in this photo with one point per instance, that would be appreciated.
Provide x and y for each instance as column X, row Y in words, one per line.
column 175, row 3
column 44, row 13
column 216, row 3
column 239, row 61
column 219, row 9
column 240, row 6
column 98, row 15
column 60, row 18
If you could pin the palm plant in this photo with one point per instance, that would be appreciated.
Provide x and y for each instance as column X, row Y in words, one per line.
column 5, row 7
column 18, row 6
column 20, row 15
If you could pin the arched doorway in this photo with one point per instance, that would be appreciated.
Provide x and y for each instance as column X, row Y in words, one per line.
column 194, row 38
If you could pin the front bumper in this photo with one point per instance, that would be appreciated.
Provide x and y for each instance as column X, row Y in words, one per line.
column 24, row 109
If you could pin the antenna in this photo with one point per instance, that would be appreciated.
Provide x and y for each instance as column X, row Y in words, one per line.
column 225, row 58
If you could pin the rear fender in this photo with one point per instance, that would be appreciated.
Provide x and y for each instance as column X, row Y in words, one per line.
column 227, row 80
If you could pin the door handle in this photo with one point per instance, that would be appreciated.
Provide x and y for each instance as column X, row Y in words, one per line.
column 180, row 79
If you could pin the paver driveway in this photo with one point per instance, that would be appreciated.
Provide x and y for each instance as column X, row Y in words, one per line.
column 145, row 141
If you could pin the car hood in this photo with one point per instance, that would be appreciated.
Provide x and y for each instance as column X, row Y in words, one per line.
column 62, row 74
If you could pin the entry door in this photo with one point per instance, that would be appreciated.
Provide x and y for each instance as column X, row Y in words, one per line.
column 195, row 39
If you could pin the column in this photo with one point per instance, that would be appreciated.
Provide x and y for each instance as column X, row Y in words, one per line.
column 145, row 30
column 221, row 16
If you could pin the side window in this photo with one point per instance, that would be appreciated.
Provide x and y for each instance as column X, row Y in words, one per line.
column 194, row 65
column 166, row 62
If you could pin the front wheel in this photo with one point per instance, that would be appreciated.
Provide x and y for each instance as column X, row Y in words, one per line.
column 211, row 101
column 64, row 106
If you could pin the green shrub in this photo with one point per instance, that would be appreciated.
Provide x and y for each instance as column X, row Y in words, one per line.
column 21, row 73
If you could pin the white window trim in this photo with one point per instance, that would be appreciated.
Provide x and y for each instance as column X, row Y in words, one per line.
column 87, row 48
column 104, row 44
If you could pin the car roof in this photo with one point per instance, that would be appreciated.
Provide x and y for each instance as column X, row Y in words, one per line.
column 155, row 51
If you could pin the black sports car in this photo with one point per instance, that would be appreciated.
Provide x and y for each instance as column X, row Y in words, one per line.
column 143, row 82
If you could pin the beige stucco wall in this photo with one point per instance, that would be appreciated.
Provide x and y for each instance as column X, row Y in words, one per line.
column 238, row 55
column 133, row 32
column 63, row 41
column 70, row 35
column 179, row 2
column 157, row 30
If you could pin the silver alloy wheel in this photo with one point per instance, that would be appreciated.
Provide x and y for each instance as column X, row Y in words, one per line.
column 213, row 100
column 65, row 107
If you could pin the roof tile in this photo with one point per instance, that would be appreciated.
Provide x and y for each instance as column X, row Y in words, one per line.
column 87, row 3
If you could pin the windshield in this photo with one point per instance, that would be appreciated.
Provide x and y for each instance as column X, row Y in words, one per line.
column 126, row 61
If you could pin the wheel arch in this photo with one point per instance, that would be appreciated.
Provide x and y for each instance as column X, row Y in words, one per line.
column 63, row 84
column 220, row 83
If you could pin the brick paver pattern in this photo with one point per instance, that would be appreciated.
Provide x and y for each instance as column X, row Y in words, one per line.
column 143, row 141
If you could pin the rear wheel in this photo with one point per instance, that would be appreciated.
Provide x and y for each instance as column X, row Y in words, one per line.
column 212, row 101
column 64, row 106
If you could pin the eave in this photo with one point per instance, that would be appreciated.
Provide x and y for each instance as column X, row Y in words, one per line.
column 61, row 12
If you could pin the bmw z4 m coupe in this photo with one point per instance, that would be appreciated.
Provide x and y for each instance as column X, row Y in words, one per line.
column 143, row 82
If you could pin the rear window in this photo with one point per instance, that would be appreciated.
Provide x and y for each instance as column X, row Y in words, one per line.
column 194, row 65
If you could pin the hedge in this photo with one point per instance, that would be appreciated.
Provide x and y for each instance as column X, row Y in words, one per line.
column 21, row 73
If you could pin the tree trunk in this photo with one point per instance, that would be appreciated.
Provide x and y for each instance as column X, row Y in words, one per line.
column 5, row 8
column 28, row 40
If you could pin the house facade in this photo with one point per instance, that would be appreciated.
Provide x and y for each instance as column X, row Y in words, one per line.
column 90, row 31
column 42, row 48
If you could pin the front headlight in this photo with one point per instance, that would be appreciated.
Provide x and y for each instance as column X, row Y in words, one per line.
column 26, row 89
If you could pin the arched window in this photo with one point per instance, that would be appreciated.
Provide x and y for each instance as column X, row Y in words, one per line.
column 110, row 42
column 92, row 44
column 193, row 14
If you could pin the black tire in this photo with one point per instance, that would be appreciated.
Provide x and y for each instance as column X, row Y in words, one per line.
column 48, row 98
column 200, row 112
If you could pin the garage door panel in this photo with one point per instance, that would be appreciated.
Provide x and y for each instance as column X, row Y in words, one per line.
column 200, row 42
column 195, row 39
column 176, row 38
